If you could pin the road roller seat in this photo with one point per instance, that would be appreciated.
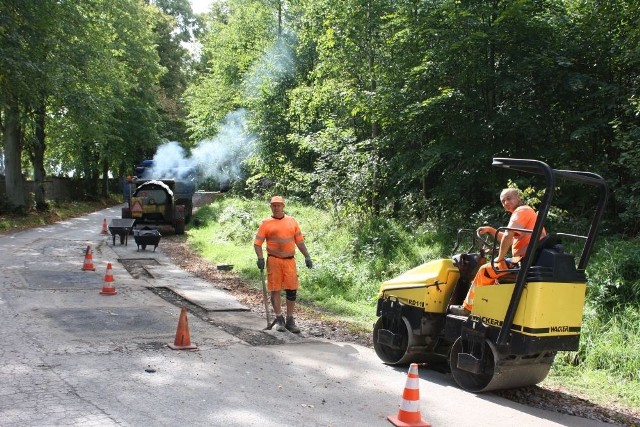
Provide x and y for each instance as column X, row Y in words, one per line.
column 550, row 242
column 550, row 264
column 553, row 264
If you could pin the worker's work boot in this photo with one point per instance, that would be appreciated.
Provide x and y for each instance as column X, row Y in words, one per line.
column 291, row 325
column 280, row 326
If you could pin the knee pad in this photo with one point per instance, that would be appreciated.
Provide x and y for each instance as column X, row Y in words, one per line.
column 291, row 294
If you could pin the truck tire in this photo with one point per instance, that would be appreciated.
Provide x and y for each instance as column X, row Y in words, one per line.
column 179, row 226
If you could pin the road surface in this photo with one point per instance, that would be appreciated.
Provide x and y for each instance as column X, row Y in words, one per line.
column 74, row 357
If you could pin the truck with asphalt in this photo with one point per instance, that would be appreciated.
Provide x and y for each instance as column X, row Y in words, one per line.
column 160, row 198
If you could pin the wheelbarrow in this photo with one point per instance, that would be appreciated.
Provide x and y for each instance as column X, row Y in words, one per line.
column 121, row 227
column 146, row 237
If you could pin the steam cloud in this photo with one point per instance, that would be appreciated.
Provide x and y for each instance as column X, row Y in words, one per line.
column 219, row 158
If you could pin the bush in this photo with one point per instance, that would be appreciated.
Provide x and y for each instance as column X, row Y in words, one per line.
column 613, row 275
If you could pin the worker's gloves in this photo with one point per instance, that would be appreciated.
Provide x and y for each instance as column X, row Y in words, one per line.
column 308, row 262
column 260, row 263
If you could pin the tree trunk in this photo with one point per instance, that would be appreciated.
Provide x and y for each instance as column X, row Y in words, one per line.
column 37, row 159
column 105, row 179
column 375, row 129
column 280, row 19
column 12, row 160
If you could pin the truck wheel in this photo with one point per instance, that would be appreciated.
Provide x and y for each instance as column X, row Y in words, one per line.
column 180, row 226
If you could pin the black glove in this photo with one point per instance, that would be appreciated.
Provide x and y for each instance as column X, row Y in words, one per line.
column 260, row 263
column 307, row 262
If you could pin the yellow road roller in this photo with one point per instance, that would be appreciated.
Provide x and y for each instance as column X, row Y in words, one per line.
column 516, row 327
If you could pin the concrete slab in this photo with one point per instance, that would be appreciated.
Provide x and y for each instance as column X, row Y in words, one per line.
column 209, row 298
column 66, row 249
column 163, row 272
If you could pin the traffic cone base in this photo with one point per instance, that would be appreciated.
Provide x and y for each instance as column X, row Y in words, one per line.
column 104, row 227
column 409, row 412
column 108, row 288
column 396, row 422
column 108, row 291
column 87, row 265
column 183, row 340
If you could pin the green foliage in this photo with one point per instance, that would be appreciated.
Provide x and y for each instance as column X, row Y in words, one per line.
column 608, row 361
column 616, row 349
column 613, row 275
column 386, row 106
column 344, row 172
column 233, row 40
column 97, row 71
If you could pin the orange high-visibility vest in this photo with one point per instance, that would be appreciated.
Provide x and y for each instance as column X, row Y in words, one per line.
column 522, row 217
column 281, row 236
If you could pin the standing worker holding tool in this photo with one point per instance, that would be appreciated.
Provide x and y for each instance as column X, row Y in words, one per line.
column 282, row 234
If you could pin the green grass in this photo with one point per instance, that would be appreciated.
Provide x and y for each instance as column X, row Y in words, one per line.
column 607, row 365
column 601, row 387
column 352, row 259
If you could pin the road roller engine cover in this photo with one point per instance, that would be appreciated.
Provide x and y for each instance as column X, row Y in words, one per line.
column 515, row 328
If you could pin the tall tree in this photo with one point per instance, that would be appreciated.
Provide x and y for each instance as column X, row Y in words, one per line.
column 70, row 66
column 25, row 26
column 108, row 110
column 174, row 28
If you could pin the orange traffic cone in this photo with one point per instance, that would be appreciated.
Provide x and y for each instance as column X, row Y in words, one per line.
column 183, row 341
column 409, row 412
column 108, row 288
column 88, row 260
column 104, row 227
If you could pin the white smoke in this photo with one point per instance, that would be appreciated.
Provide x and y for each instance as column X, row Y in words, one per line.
column 219, row 158
column 275, row 65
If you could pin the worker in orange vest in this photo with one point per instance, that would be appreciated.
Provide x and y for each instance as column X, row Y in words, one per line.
column 522, row 217
column 282, row 234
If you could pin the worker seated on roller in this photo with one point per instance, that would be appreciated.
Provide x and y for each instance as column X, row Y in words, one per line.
column 522, row 217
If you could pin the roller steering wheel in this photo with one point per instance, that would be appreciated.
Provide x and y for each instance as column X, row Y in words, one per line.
column 484, row 240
